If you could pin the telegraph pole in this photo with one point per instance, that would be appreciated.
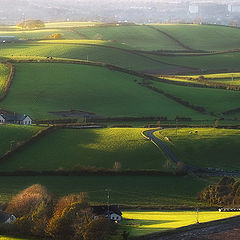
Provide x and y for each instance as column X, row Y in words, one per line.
column 197, row 216
column 108, row 198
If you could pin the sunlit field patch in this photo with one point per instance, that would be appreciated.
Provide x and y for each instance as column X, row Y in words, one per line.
column 144, row 222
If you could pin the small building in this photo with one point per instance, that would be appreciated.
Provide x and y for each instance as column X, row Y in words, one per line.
column 8, row 39
column 2, row 119
column 6, row 217
column 16, row 119
column 111, row 212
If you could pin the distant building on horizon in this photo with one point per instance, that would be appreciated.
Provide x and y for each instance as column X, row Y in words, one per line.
column 8, row 39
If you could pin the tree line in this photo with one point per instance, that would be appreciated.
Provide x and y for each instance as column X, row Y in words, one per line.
column 41, row 214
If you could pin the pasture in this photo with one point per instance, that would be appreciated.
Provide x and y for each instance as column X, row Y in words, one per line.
column 136, row 37
column 146, row 222
column 204, row 37
column 209, row 147
column 81, row 50
column 225, row 62
column 148, row 191
column 41, row 88
column 40, row 34
column 213, row 100
column 226, row 78
column 68, row 148
column 11, row 135
column 4, row 72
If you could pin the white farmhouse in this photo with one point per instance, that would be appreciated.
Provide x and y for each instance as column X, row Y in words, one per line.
column 2, row 119
column 16, row 119
column 111, row 212
column 6, row 217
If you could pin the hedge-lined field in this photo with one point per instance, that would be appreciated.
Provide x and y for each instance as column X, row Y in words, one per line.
column 204, row 37
column 40, row 88
column 226, row 78
column 210, row 147
column 213, row 100
column 101, row 148
column 74, row 50
column 12, row 135
column 70, row 24
column 136, row 37
column 40, row 34
column 145, row 222
column 4, row 72
column 125, row 190
column 226, row 62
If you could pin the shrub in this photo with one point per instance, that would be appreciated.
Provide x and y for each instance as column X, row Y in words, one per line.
column 99, row 229
column 27, row 201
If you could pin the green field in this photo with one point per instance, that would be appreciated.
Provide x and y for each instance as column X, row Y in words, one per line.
column 4, row 72
column 226, row 78
column 145, row 191
column 213, row 100
column 70, row 24
column 226, row 62
column 77, row 50
column 12, row 135
column 145, row 222
column 204, row 37
column 13, row 238
column 40, row 88
column 135, row 37
column 101, row 148
column 40, row 34
column 210, row 147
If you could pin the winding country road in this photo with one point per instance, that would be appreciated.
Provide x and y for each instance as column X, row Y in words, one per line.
column 150, row 135
column 199, row 171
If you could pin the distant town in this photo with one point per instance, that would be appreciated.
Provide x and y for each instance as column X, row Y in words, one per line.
column 138, row 11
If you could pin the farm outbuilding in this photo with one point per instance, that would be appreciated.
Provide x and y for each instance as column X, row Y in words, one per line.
column 8, row 39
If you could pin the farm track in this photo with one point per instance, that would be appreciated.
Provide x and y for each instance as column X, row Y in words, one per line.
column 200, row 231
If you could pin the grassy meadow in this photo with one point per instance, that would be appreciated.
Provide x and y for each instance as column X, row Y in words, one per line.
column 40, row 34
column 11, row 135
column 213, row 100
column 77, row 49
column 148, row 191
column 226, row 78
column 210, row 147
column 204, row 37
column 40, row 88
column 99, row 148
column 146, row 222
column 4, row 72
column 225, row 62
column 136, row 37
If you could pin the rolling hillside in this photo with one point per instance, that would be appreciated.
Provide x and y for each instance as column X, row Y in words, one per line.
column 4, row 72
column 125, row 190
column 204, row 37
column 213, row 100
column 41, row 88
column 213, row 148
column 101, row 148
column 12, row 135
